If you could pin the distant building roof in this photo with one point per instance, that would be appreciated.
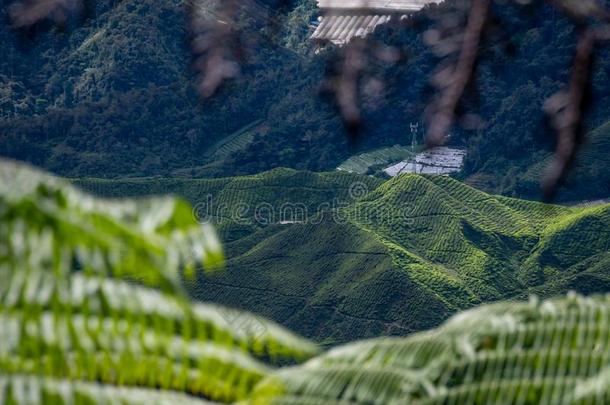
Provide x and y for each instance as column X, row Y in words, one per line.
column 340, row 29
column 390, row 5
column 440, row 160
column 346, row 19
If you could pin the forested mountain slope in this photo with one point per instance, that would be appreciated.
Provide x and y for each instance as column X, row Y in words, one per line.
column 337, row 256
column 114, row 96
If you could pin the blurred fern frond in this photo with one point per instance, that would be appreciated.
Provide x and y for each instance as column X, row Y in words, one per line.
column 92, row 304
column 551, row 352
column 43, row 390
column 48, row 225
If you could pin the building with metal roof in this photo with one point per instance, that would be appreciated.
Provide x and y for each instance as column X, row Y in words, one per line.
column 343, row 20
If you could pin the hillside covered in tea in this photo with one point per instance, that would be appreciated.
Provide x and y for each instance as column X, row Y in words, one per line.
column 337, row 256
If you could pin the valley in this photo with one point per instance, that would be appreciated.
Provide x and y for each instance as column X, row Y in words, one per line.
column 338, row 256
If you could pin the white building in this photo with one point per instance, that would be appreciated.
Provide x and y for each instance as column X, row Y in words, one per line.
column 343, row 20
column 441, row 160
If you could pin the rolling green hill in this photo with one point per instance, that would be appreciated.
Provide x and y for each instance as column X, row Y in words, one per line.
column 337, row 256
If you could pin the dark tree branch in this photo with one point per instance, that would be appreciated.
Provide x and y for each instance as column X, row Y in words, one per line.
column 343, row 82
column 27, row 13
column 453, row 80
column 215, row 44
column 566, row 110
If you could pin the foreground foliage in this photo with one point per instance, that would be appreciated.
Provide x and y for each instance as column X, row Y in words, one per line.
column 77, row 303
column 550, row 352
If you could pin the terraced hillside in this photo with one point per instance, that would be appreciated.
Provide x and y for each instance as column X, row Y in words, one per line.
column 364, row 162
column 337, row 256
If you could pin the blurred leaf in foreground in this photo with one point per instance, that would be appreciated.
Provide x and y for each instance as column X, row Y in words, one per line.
column 92, row 305
column 550, row 352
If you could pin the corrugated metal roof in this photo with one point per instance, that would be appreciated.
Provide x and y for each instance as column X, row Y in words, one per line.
column 346, row 19
column 340, row 29
column 394, row 5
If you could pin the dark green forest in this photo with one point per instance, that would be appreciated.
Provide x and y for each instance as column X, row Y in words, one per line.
column 113, row 96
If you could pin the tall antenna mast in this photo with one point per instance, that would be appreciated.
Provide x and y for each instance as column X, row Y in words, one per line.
column 414, row 131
